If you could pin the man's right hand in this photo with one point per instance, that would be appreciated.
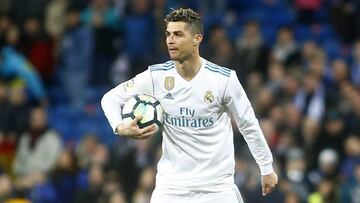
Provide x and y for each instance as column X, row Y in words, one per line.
column 132, row 130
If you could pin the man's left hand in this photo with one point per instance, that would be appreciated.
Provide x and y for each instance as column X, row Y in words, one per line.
column 268, row 183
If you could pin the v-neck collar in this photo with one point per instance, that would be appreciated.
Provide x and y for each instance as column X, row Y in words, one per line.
column 197, row 75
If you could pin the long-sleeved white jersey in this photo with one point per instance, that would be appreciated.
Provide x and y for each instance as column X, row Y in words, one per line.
column 197, row 143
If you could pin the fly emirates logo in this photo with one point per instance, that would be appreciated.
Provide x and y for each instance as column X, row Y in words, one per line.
column 187, row 119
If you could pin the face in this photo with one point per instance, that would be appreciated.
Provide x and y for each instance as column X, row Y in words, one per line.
column 38, row 118
column 357, row 51
column 285, row 36
column 180, row 41
column 73, row 18
column 32, row 26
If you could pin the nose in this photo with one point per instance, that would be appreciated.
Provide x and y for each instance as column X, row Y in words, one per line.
column 170, row 39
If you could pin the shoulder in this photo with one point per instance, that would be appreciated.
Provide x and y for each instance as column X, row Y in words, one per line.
column 51, row 134
column 216, row 70
column 169, row 65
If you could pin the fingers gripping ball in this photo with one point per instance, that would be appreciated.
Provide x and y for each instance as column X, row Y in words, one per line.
column 146, row 106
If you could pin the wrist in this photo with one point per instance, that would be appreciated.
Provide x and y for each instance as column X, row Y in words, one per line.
column 120, row 129
column 266, row 169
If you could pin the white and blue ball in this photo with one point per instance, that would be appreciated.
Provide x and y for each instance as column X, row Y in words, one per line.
column 144, row 105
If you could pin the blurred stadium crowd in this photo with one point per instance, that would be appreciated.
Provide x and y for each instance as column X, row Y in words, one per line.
column 299, row 62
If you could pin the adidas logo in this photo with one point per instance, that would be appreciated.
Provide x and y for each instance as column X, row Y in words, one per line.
column 168, row 96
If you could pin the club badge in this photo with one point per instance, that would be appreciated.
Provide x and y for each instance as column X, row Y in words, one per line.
column 209, row 97
column 169, row 83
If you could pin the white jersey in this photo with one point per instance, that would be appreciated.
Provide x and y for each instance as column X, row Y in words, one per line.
column 197, row 143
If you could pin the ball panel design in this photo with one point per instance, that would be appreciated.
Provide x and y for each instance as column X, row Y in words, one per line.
column 128, row 107
column 144, row 105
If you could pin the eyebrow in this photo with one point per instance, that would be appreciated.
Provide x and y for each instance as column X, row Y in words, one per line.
column 175, row 32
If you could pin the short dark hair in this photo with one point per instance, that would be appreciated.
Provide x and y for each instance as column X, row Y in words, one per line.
column 186, row 15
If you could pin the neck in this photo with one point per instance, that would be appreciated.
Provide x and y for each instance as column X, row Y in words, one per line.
column 189, row 68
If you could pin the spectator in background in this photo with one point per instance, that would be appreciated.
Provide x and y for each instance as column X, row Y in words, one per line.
column 350, row 190
column 130, row 158
column 354, row 115
column 140, row 37
column 15, row 65
column 160, row 8
column 6, row 187
column 318, row 65
column 5, row 23
column 4, row 109
column 120, row 69
column 344, row 18
column 15, row 121
column 252, row 53
column 216, row 35
column 100, row 13
column 339, row 72
column 225, row 54
column 38, row 48
column 338, row 76
column 39, row 147
column 285, row 143
column 276, row 76
column 332, row 133
column 92, row 193
column 289, row 87
column 146, row 186
column 285, row 50
column 291, row 197
column 355, row 67
column 352, row 156
column 101, row 156
column 295, row 173
column 111, row 188
column 76, row 59
column 254, row 83
column 19, row 110
column 264, row 102
column 85, row 150
column 55, row 22
column 325, row 193
column 64, row 176
column 310, row 99
column 12, row 37
column 327, row 168
column 307, row 51
column 102, row 17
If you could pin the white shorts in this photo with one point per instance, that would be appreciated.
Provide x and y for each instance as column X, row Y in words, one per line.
column 228, row 196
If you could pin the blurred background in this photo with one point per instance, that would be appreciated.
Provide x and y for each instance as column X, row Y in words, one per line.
column 298, row 60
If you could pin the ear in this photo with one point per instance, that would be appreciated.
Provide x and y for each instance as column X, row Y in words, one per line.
column 197, row 39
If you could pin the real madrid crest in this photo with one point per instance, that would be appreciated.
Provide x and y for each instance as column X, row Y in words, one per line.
column 169, row 83
column 209, row 97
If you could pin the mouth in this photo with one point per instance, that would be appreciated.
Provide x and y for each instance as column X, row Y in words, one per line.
column 172, row 49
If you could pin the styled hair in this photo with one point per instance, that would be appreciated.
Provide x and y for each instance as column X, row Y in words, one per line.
column 186, row 15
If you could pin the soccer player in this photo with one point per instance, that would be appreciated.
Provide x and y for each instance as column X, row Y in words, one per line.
column 198, row 97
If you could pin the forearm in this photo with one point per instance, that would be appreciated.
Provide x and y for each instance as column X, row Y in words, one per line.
column 258, row 147
column 111, row 105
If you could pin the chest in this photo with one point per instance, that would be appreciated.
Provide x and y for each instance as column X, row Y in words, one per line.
column 197, row 98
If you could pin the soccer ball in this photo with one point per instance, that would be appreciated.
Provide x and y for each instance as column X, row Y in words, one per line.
column 144, row 105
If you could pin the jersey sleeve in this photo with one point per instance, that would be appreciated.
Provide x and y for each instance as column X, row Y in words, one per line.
column 113, row 101
column 239, row 106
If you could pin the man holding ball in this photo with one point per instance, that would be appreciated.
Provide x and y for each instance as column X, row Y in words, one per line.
column 198, row 97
